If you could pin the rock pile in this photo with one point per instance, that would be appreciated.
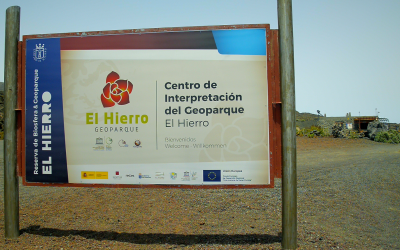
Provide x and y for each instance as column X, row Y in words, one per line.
column 339, row 131
column 376, row 127
column 326, row 125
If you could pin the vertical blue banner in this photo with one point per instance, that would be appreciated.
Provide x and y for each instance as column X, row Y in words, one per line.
column 45, row 142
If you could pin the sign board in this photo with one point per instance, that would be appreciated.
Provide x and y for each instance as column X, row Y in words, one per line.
column 169, row 107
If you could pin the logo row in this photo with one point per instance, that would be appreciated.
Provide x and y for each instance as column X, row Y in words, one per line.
column 208, row 175
column 106, row 144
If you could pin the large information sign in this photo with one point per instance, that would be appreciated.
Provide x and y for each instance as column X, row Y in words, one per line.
column 157, row 108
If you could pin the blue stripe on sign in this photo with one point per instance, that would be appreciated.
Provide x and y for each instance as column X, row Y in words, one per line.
column 45, row 140
column 241, row 42
column 212, row 175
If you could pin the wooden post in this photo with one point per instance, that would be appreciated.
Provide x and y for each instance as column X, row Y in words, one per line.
column 289, row 175
column 11, row 194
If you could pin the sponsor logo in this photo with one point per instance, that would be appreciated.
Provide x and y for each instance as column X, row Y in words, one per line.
column 122, row 143
column 116, row 91
column 39, row 53
column 88, row 175
column 137, row 144
column 101, row 175
column 130, row 175
column 109, row 141
column 100, row 145
column 173, row 175
column 94, row 175
column 117, row 176
column 99, row 140
column 159, row 175
column 212, row 175
column 186, row 176
column 194, row 175
column 144, row 176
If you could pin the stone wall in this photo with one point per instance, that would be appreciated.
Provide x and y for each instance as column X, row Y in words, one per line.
column 306, row 124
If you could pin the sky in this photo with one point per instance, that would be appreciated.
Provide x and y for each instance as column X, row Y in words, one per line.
column 346, row 52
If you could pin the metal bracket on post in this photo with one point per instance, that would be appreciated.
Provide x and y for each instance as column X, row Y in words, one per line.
column 11, row 192
column 276, row 104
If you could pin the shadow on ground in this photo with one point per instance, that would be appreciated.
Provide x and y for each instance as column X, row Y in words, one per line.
column 173, row 239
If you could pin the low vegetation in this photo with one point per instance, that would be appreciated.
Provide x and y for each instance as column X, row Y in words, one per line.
column 337, row 131
column 391, row 136
column 312, row 132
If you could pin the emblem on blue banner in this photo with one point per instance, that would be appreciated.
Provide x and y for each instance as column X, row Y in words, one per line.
column 212, row 175
column 39, row 53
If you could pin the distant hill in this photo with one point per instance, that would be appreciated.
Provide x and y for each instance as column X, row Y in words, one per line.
column 305, row 116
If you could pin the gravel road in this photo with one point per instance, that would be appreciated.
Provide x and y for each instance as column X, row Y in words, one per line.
column 348, row 198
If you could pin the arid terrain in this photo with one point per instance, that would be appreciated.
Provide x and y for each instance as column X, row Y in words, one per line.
column 348, row 198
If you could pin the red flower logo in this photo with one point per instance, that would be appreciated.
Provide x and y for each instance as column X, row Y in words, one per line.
column 116, row 91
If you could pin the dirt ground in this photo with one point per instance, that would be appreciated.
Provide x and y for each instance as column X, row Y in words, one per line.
column 348, row 198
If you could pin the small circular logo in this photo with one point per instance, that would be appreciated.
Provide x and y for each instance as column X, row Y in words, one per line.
column 109, row 141
column 137, row 143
